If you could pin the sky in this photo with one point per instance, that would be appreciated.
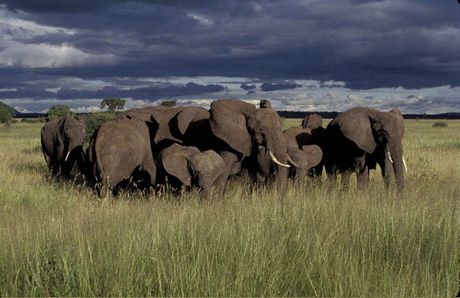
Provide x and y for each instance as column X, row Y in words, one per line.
column 304, row 55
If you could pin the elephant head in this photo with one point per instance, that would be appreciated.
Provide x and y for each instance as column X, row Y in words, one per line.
column 312, row 121
column 303, row 149
column 70, row 135
column 370, row 129
column 248, row 130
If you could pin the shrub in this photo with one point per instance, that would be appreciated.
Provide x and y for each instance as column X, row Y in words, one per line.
column 94, row 121
column 440, row 124
column 113, row 103
column 58, row 111
column 5, row 116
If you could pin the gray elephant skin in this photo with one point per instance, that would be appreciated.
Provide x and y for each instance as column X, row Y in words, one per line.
column 246, row 131
column 120, row 154
column 186, row 166
column 360, row 138
column 314, row 122
column 62, row 144
column 304, row 151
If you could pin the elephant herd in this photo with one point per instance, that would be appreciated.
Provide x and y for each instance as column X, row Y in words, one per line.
column 185, row 146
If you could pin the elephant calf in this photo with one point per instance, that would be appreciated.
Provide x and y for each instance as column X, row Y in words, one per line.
column 186, row 166
column 120, row 154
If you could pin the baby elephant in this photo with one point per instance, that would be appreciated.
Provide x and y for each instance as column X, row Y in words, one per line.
column 187, row 166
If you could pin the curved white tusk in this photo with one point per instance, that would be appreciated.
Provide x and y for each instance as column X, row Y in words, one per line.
column 404, row 163
column 67, row 156
column 272, row 156
column 289, row 158
column 389, row 156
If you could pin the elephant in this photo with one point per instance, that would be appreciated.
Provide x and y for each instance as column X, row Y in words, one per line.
column 314, row 122
column 120, row 154
column 245, row 131
column 304, row 151
column 62, row 144
column 186, row 166
column 169, row 124
column 362, row 137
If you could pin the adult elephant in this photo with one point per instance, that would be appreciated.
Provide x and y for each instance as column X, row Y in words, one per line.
column 360, row 138
column 168, row 124
column 120, row 154
column 246, row 131
column 186, row 166
column 304, row 151
column 62, row 144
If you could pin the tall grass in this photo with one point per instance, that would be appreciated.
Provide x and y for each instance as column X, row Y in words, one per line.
column 58, row 239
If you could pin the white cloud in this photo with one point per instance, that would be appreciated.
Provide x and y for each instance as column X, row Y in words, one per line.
column 201, row 19
column 12, row 27
column 49, row 56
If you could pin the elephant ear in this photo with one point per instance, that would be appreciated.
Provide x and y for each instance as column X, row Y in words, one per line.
column 298, row 156
column 175, row 163
column 162, row 116
column 189, row 115
column 228, row 122
column 314, row 155
column 356, row 126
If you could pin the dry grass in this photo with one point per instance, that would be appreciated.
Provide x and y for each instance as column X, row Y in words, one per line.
column 59, row 240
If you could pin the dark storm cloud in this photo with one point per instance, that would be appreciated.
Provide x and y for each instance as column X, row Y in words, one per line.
column 147, row 93
column 247, row 87
column 278, row 86
column 365, row 43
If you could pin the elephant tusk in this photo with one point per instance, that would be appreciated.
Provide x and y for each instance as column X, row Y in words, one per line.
column 67, row 156
column 404, row 163
column 272, row 156
column 389, row 156
column 289, row 158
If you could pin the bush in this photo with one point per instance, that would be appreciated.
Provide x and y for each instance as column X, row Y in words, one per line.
column 440, row 124
column 94, row 121
column 58, row 111
column 5, row 116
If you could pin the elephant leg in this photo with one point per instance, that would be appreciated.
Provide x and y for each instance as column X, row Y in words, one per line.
column 230, row 160
column 300, row 175
column 362, row 177
column 346, row 179
column 331, row 177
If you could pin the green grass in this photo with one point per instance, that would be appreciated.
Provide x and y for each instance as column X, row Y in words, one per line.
column 58, row 239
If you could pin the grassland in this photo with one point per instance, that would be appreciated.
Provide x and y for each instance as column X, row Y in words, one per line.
column 57, row 239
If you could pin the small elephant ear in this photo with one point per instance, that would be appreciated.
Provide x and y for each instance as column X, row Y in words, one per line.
column 189, row 115
column 298, row 156
column 314, row 155
column 228, row 122
column 175, row 163
column 357, row 128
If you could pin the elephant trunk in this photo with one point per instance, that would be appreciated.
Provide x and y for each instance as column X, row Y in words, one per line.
column 397, row 160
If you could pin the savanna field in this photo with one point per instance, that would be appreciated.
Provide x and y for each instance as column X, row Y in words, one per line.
column 59, row 239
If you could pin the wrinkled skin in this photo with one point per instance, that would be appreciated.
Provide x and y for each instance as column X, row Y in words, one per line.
column 121, row 156
column 246, row 131
column 62, row 145
column 360, row 138
column 186, row 166
column 304, row 151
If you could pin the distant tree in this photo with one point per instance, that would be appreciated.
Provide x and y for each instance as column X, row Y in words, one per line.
column 5, row 116
column 58, row 111
column 113, row 103
column 168, row 103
